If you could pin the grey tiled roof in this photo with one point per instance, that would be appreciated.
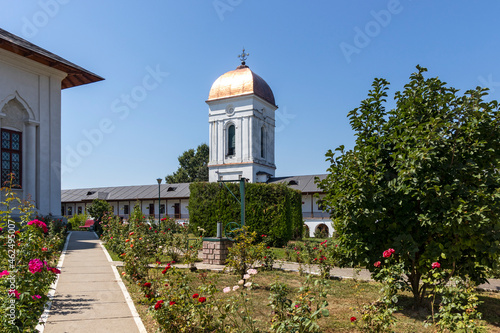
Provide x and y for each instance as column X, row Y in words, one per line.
column 140, row 192
column 305, row 184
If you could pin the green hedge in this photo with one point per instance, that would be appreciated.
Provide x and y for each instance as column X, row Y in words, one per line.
column 274, row 210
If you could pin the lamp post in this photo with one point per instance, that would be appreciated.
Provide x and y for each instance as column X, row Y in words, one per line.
column 159, row 200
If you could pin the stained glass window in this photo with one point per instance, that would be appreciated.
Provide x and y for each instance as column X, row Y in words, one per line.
column 11, row 157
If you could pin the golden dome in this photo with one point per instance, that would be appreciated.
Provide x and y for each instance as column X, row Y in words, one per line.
column 241, row 81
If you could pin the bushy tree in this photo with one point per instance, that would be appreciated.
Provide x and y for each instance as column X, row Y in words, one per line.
column 97, row 210
column 193, row 166
column 422, row 179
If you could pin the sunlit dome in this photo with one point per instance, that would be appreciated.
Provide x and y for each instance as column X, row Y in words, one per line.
column 239, row 82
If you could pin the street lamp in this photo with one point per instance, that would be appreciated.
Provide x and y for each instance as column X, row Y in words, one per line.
column 159, row 200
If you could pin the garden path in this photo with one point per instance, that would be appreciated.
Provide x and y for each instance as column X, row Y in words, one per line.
column 90, row 296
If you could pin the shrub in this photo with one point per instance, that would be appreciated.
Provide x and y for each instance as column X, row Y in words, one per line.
column 244, row 254
column 77, row 221
column 319, row 233
column 271, row 209
column 26, row 264
column 169, row 224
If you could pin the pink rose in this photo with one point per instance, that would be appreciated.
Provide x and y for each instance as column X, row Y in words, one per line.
column 388, row 253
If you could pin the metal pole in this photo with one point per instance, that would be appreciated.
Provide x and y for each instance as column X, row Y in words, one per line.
column 242, row 200
column 159, row 200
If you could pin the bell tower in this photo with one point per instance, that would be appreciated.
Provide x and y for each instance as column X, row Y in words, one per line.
column 242, row 126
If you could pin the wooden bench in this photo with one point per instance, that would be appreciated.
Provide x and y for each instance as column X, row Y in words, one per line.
column 89, row 224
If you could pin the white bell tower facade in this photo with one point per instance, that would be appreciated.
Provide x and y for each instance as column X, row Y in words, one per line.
column 241, row 126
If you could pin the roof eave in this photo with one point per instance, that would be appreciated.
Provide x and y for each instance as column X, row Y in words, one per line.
column 76, row 75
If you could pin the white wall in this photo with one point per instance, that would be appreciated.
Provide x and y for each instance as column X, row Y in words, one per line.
column 250, row 114
column 37, row 88
column 118, row 207
column 313, row 224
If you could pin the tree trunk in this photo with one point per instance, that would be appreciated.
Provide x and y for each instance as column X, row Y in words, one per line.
column 418, row 293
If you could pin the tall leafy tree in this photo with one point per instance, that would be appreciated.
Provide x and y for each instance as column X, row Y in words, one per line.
column 193, row 166
column 97, row 209
column 422, row 179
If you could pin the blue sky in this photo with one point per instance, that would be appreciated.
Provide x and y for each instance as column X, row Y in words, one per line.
column 319, row 57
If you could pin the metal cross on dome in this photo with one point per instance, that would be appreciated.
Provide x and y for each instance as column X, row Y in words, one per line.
column 243, row 56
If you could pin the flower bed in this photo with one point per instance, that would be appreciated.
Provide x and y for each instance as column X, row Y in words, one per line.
column 240, row 300
column 27, row 264
column 345, row 298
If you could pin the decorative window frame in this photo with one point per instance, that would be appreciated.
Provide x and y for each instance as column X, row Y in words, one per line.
column 227, row 139
column 10, row 152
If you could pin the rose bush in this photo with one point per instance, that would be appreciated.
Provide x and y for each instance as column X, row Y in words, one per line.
column 27, row 258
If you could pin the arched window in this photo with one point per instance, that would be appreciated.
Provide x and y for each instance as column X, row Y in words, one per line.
column 11, row 157
column 231, row 140
column 262, row 142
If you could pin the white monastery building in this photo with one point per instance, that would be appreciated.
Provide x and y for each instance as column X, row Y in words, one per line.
column 31, row 80
column 241, row 120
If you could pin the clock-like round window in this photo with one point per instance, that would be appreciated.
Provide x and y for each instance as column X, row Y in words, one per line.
column 230, row 110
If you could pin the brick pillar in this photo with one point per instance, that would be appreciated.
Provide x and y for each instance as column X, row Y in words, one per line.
column 215, row 250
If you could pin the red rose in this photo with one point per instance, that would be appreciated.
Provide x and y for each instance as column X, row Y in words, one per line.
column 202, row 299
column 436, row 265
column 196, row 296
column 377, row 264
column 159, row 304
column 54, row 270
column 171, row 303
column 147, row 284
column 353, row 319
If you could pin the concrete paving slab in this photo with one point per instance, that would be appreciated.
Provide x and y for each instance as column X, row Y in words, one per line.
column 84, row 262
column 93, row 286
column 123, row 325
column 85, row 277
column 86, row 308
column 98, row 269
column 102, row 296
